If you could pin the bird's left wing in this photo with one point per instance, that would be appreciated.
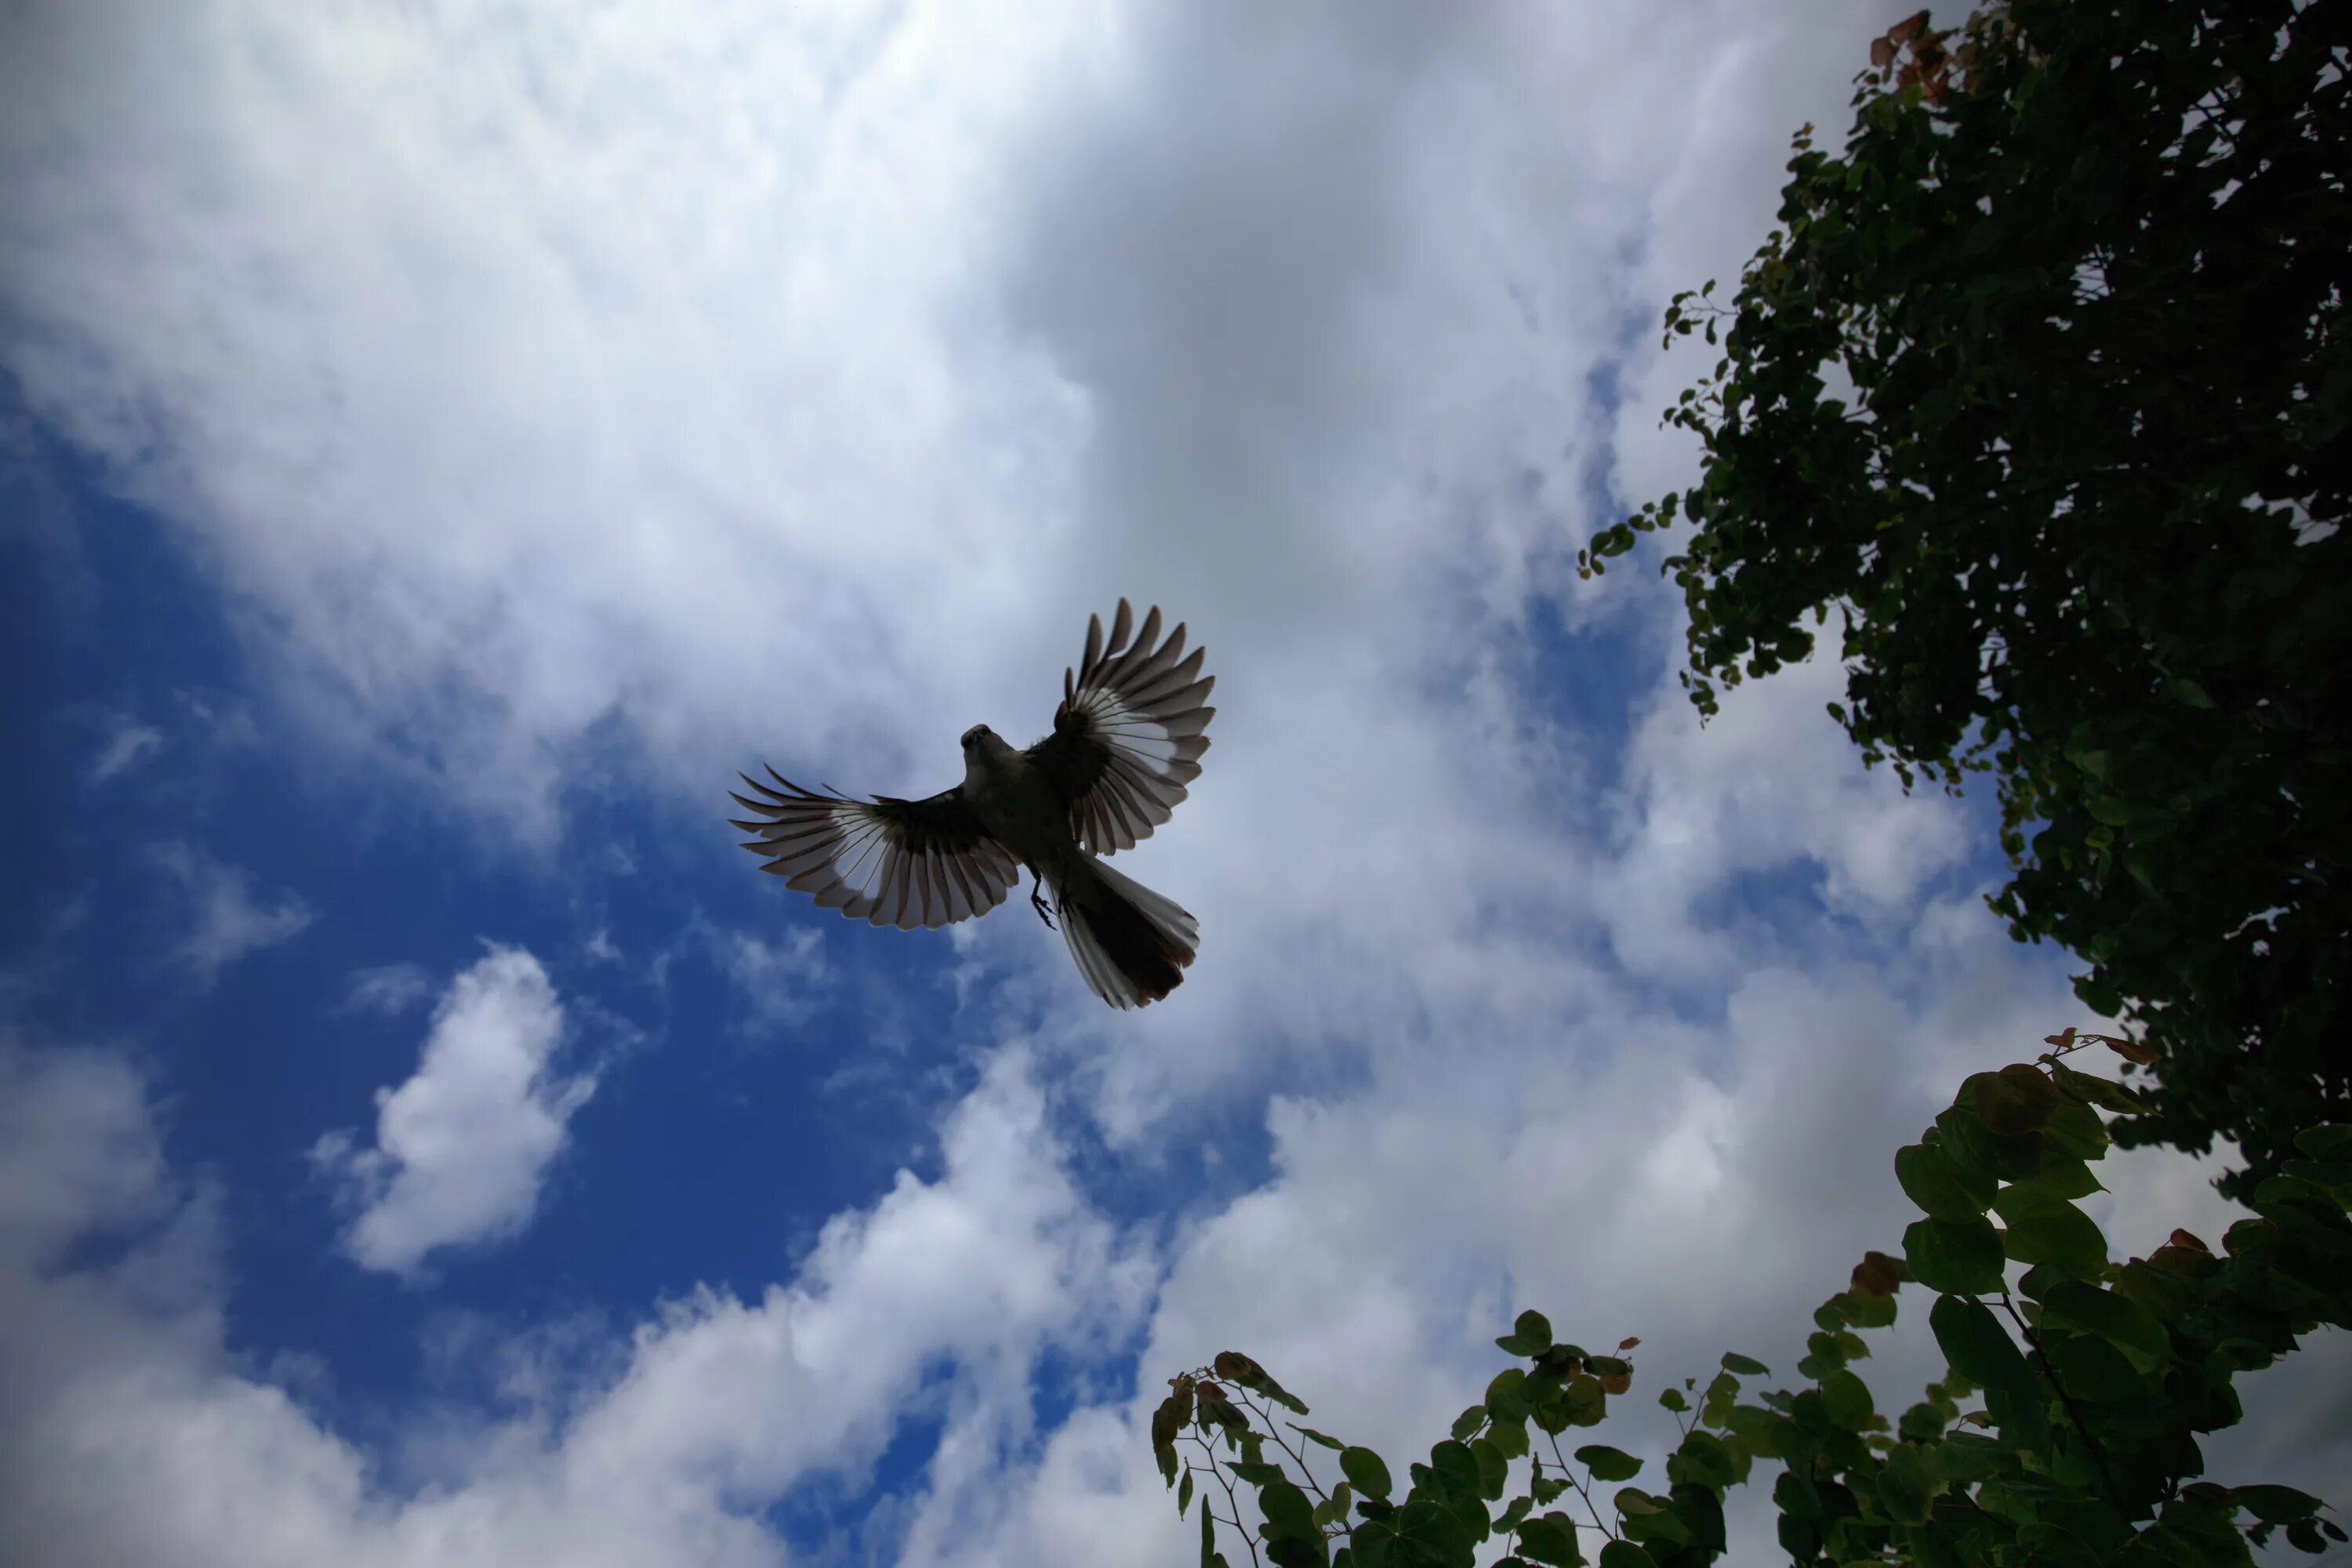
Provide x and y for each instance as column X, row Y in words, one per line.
column 903, row 863
column 1128, row 737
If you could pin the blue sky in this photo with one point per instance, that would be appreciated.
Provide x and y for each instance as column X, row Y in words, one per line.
column 438, row 448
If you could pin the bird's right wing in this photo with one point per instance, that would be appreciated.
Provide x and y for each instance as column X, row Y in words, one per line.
column 903, row 863
column 1128, row 737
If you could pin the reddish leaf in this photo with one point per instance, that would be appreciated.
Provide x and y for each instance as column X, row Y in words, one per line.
column 2131, row 1050
column 2062, row 1039
column 1627, row 1344
column 1617, row 1384
column 1902, row 32
column 2184, row 1239
column 1882, row 54
column 1878, row 1275
column 1209, row 1390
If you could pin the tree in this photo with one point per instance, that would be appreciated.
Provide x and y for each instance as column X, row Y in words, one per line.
column 2082, row 1449
column 2043, row 387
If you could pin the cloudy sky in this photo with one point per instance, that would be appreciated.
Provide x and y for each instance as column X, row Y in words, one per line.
column 439, row 443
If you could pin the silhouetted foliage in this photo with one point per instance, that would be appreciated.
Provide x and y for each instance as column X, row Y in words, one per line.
column 2042, row 386
column 2063, row 1433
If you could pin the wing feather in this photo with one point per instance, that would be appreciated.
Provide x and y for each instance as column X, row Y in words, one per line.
column 890, row 862
column 1128, row 735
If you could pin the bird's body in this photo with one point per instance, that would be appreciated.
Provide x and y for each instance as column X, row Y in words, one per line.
column 1126, row 741
column 1018, row 804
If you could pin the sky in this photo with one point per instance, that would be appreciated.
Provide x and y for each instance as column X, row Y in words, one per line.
column 441, row 443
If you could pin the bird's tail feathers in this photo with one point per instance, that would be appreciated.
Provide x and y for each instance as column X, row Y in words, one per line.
column 1131, row 944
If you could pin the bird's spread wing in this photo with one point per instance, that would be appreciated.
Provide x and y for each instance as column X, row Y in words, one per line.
column 903, row 863
column 1128, row 737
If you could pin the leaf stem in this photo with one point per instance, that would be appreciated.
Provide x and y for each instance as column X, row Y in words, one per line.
column 2099, row 1458
column 1569, row 1475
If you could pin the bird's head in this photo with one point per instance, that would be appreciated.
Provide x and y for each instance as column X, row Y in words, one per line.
column 971, row 736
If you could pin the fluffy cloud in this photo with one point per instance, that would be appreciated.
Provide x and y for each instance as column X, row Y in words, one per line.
column 462, row 1146
column 218, row 919
column 119, row 1385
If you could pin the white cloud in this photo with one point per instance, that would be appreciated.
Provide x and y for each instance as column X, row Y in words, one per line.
column 778, row 980
column 387, row 990
column 719, row 1406
column 462, row 1148
column 127, row 744
column 219, row 920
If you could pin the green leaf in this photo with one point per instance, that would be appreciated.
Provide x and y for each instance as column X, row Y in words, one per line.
column 1975, row 1343
column 1456, row 1468
column 1608, row 1464
column 1530, row 1332
column 1625, row 1555
column 1932, row 1180
column 1184, row 1495
column 1287, row 1512
column 1209, row 1557
column 1236, row 1368
column 1965, row 1458
column 2074, row 1305
column 1365, row 1471
column 1635, row 1503
column 1962, row 1136
column 1312, row 1436
column 1961, row 1259
column 1585, row 1401
column 1163, row 1440
column 2089, row 1368
column 2105, row 1093
column 1551, row 1537
column 1469, row 1421
column 1744, row 1366
column 1797, row 1496
column 2333, row 1141
column 2042, row 1229
column 2076, row 1127
column 1673, row 1400
column 2016, row 1100
column 1493, row 1469
column 1906, row 1485
column 2276, row 1504
column 1848, row 1398
column 1704, row 1461
column 1505, row 1396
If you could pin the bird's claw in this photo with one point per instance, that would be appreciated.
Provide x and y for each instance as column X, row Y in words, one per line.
column 1037, row 901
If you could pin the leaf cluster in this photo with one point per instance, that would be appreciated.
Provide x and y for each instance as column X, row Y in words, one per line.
column 2036, row 403
column 2063, row 1433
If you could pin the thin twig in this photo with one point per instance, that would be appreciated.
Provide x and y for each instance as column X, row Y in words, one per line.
column 1231, row 1500
column 2099, row 1458
column 1593, row 1508
column 1297, row 1457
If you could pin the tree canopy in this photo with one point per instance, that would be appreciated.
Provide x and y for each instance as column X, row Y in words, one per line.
column 2036, row 403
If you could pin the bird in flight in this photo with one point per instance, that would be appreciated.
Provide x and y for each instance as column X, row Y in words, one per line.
column 1126, row 741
